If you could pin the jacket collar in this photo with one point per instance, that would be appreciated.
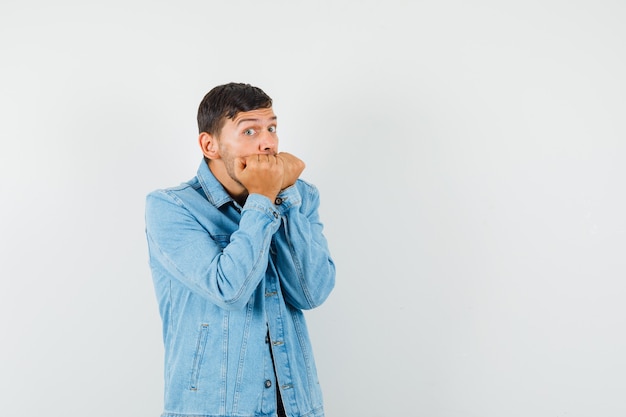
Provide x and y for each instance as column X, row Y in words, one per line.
column 213, row 189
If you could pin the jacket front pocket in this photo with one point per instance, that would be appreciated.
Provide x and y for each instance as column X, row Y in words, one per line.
column 198, row 355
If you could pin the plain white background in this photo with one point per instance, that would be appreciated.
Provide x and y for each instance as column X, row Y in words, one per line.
column 470, row 156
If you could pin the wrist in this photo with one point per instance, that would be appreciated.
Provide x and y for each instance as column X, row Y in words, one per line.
column 268, row 195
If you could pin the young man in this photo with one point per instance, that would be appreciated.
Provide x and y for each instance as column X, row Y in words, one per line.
column 236, row 254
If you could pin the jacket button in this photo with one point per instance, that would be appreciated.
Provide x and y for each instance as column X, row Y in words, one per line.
column 275, row 215
column 278, row 201
column 268, row 383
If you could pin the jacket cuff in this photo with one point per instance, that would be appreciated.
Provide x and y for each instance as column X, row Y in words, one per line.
column 262, row 204
column 288, row 198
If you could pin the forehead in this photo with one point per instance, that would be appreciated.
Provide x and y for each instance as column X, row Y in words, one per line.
column 265, row 115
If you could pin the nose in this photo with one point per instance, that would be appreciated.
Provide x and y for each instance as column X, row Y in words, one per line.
column 268, row 143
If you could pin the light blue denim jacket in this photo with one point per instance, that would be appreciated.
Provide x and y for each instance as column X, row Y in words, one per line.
column 224, row 277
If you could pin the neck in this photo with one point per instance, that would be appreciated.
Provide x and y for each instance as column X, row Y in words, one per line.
column 233, row 187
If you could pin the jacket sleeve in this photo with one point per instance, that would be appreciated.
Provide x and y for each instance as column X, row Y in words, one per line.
column 305, row 267
column 225, row 271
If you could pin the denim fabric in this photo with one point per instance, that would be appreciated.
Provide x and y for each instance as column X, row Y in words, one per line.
column 231, row 283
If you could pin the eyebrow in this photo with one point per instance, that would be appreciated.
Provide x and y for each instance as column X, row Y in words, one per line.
column 274, row 118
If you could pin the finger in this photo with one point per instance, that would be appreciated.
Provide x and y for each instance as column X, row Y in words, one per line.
column 251, row 160
column 240, row 165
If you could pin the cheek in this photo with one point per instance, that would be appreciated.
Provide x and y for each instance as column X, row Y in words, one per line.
column 247, row 149
column 232, row 151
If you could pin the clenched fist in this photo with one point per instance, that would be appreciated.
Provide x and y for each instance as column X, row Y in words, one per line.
column 261, row 174
column 292, row 166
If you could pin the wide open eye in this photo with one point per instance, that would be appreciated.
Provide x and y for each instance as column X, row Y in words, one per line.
column 249, row 132
column 271, row 129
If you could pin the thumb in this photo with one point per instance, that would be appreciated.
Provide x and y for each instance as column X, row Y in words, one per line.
column 239, row 165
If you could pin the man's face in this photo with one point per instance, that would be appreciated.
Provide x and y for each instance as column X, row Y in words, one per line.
column 248, row 133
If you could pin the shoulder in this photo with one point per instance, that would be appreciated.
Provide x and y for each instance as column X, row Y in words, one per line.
column 177, row 194
column 309, row 196
column 306, row 188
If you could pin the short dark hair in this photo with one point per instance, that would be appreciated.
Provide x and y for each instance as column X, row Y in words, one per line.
column 225, row 101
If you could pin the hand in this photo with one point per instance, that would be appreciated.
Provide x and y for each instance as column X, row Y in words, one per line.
column 293, row 167
column 260, row 174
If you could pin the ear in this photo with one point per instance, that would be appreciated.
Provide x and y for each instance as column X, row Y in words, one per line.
column 208, row 144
